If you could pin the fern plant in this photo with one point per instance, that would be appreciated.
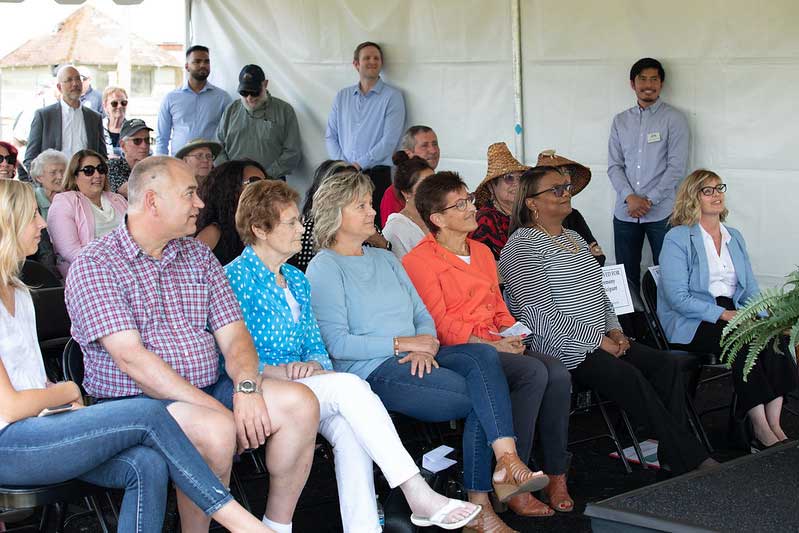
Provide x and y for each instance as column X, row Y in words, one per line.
column 765, row 319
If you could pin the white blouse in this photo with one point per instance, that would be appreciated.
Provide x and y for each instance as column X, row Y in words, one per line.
column 403, row 234
column 19, row 345
column 106, row 219
column 723, row 279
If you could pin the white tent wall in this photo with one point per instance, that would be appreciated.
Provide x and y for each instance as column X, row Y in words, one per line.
column 729, row 65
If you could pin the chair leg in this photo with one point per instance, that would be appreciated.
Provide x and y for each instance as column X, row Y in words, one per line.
column 112, row 505
column 236, row 482
column 60, row 516
column 613, row 435
column 634, row 437
column 696, row 424
column 94, row 505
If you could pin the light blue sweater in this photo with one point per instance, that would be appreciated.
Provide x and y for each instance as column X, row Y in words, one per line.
column 361, row 304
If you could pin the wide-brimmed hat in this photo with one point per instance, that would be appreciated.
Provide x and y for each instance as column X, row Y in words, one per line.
column 214, row 146
column 580, row 174
column 500, row 162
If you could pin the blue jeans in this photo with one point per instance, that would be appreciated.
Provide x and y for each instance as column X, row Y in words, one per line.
column 470, row 384
column 628, row 238
column 133, row 444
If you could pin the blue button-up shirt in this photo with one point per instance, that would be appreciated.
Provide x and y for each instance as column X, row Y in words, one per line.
column 186, row 115
column 648, row 156
column 365, row 128
column 278, row 339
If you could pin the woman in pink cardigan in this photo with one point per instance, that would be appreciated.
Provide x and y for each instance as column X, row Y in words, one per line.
column 86, row 210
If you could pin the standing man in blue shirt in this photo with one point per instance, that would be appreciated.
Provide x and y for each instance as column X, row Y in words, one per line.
column 192, row 111
column 647, row 159
column 367, row 120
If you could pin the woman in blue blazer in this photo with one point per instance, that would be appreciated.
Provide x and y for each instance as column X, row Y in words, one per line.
column 705, row 276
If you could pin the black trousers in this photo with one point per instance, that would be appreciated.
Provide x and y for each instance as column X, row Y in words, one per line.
column 381, row 178
column 773, row 375
column 649, row 385
column 540, row 394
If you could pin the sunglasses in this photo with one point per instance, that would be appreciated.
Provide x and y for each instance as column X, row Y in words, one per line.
column 137, row 141
column 11, row 159
column 252, row 179
column 252, row 94
column 710, row 191
column 559, row 190
column 510, row 179
column 461, row 204
column 115, row 103
column 206, row 157
column 88, row 170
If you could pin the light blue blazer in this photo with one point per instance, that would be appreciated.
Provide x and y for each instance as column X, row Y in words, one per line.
column 684, row 298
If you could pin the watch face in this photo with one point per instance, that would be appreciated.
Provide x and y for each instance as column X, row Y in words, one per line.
column 247, row 386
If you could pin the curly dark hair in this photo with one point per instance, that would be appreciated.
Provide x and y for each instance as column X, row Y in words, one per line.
column 220, row 191
column 325, row 169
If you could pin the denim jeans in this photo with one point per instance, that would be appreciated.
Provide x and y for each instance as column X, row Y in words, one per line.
column 628, row 238
column 132, row 444
column 470, row 384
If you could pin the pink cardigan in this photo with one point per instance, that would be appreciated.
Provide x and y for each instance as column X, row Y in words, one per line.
column 70, row 223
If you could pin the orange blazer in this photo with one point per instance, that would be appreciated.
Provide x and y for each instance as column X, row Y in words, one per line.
column 463, row 299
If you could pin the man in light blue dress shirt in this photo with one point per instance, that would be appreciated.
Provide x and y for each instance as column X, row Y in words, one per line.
column 193, row 110
column 367, row 120
column 647, row 158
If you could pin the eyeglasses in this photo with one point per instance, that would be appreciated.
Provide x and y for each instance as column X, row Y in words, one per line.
column 115, row 103
column 510, row 179
column 138, row 140
column 251, row 179
column 461, row 204
column 559, row 190
column 252, row 94
column 88, row 170
column 710, row 191
column 11, row 159
column 207, row 157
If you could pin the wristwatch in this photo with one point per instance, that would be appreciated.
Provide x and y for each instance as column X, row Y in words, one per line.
column 247, row 386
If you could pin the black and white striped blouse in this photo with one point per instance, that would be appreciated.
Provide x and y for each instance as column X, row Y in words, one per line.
column 556, row 293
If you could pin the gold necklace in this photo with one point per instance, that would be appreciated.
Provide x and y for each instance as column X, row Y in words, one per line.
column 574, row 243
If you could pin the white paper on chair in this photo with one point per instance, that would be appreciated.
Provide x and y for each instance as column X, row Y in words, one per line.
column 614, row 279
column 437, row 460
column 649, row 449
column 655, row 271
column 517, row 329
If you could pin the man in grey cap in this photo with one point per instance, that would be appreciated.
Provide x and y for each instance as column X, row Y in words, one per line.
column 199, row 154
column 260, row 127
column 134, row 141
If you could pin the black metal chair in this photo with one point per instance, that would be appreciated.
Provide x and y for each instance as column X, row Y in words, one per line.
column 37, row 276
column 52, row 327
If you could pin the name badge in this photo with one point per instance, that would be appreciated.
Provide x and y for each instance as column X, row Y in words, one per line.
column 653, row 137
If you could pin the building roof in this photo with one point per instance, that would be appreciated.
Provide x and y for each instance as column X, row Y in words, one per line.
column 87, row 37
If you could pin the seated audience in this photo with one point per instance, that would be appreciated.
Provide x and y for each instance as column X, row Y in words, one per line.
column 47, row 173
column 456, row 278
column 375, row 326
column 554, row 286
column 199, row 154
column 115, row 105
column 8, row 161
column 220, row 194
column 494, row 198
column 326, row 169
column 580, row 176
column 418, row 141
column 405, row 229
column 705, row 275
column 148, row 269
column 134, row 143
column 86, row 210
column 275, row 299
column 131, row 444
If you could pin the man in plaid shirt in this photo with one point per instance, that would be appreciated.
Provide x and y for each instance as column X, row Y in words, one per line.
column 150, row 307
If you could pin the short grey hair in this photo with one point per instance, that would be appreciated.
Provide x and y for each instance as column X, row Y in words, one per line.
column 408, row 141
column 147, row 172
column 333, row 195
column 48, row 157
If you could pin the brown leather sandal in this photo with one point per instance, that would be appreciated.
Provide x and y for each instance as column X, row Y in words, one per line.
column 526, row 504
column 488, row 522
column 558, row 494
column 516, row 478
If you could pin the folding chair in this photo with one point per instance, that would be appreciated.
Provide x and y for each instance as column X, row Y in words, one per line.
column 37, row 276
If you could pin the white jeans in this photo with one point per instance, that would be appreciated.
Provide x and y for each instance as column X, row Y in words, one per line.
column 354, row 421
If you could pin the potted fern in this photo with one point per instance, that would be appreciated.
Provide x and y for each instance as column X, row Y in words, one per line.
column 768, row 317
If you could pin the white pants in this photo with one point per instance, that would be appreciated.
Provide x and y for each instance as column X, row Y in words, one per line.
column 354, row 421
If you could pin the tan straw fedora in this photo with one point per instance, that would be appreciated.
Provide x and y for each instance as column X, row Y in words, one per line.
column 580, row 174
column 500, row 162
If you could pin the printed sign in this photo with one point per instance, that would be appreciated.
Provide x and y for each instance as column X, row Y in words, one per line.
column 614, row 279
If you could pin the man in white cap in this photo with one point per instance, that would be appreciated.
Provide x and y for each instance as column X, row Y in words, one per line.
column 90, row 97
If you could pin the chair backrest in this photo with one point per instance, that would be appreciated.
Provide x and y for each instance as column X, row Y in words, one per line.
column 72, row 362
column 37, row 276
column 52, row 319
column 649, row 294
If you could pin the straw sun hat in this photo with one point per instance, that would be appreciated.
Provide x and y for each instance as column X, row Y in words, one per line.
column 500, row 162
column 580, row 174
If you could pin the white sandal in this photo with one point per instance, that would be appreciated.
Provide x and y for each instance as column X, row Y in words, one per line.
column 439, row 516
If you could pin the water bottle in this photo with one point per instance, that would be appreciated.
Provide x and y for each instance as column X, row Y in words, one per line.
column 381, row 515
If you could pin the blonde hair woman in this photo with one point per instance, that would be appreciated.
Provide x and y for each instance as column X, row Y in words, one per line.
column 705, row 276
column 134, row 444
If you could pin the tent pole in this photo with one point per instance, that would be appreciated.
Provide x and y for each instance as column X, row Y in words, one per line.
column 518, row 115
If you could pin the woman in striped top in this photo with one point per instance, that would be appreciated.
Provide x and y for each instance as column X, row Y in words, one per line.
column 554, row 286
